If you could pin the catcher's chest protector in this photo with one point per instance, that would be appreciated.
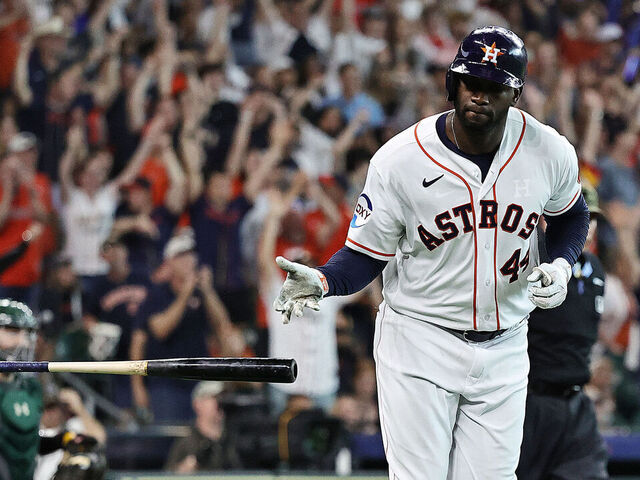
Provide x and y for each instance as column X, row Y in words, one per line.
column 20, row 412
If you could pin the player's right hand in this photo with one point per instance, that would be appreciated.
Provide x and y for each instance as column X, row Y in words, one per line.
column 303, row 287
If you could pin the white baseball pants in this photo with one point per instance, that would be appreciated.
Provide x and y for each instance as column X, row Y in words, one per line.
column 449, row 409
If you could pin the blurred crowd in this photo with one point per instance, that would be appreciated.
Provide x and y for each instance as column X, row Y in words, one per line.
column 156, row 155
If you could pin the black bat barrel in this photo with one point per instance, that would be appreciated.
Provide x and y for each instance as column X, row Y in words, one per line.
column 273, row 370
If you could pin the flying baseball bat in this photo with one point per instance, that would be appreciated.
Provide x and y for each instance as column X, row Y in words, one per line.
column 275, row 370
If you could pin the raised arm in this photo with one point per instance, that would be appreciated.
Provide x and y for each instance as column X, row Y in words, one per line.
column 21, row 73
column 156, row 128
column 278, row 207
column 592, row 133
column 107, row 85
column 269, row 10
column 176, row 194
column 162, row 324
column 194, row 107
column 99, row 18
column 330, row 210
column 241, row 135
column 73, row 153
column 281, row 135
column 346, row 138
column 137, row 95
column 217, row 48
column 92, row 426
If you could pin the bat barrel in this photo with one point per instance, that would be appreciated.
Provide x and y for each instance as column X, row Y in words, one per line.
column 273, row 370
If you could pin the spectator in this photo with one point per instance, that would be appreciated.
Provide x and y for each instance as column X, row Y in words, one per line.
column 355, row 47
column 60, row 303
column 220, row 120
column 14, row 23
column 312, row 338
column 116, row 298
column 65, row 413
column 216, row 217
column 89, row 200
column 209, row 446
column 353, row 99
column 26, row 197
column 359, row 410
column 181, row 318
column 324, row 142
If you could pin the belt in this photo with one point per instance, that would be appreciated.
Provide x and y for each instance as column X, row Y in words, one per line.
column 553, row 389
column 475, row 335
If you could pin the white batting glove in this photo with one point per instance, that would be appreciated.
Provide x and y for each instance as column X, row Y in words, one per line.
column 303, row 287
column 554, row 277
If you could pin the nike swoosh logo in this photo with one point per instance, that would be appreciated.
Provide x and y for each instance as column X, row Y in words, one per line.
column 426, row 184
column 463, row 53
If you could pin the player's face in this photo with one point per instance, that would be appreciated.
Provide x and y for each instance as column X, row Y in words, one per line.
column 481, row 104
column 12, row 338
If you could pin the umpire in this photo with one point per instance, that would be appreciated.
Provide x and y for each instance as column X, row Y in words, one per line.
column 561, row 440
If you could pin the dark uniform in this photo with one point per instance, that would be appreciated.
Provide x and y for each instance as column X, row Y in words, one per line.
column 561, row 440
column 20, row 411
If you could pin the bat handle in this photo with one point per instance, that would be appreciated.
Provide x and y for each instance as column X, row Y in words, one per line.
column 10, row 366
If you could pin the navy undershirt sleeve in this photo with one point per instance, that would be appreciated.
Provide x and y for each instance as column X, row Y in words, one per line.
column 566, row 233
column 348, row 271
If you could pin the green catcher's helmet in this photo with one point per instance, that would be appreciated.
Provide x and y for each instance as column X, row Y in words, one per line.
column 16, row 315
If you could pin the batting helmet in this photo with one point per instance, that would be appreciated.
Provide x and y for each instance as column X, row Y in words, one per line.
column 17, row 315
column 493, row 53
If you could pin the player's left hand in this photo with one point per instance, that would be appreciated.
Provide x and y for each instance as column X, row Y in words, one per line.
column 553, row 277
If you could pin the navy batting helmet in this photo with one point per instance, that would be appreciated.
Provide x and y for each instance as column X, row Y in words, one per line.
column 493, row 53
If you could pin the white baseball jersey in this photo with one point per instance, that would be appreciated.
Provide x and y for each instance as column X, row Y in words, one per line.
column 459, row 248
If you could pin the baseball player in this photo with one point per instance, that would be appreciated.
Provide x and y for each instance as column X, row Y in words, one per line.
column 20, row 394
column 561, row 438
column 448, row 211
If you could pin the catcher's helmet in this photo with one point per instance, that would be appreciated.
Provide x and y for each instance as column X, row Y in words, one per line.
column 493, row 53
column 18, row 316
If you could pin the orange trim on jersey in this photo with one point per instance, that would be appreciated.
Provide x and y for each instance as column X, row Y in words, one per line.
column 524, row 126
column 370, row 249
column 568, row 205
column 473, row 211
column 495, row 256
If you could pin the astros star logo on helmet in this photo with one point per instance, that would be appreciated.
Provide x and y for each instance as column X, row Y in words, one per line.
column 491, row 53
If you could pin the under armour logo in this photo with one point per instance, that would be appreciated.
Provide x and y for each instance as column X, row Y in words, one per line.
column 491, row 54
column 521, row 188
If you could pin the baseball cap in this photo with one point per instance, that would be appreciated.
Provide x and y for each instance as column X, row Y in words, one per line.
column 207, row 388
column 21, row 142
column 54, row 26
column 591, row 198
column 181, row 243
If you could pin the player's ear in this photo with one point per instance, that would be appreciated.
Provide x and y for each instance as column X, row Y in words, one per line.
column 516, row 96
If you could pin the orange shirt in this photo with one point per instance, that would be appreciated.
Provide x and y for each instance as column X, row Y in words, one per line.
column 575, row 51
column 314, row 220
column 10, row 47
column 154, row 171
column 27, row 270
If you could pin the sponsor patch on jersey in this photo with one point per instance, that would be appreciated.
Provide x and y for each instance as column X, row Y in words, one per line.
column 363, row 211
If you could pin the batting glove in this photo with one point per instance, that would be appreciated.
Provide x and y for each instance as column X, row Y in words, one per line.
column 303, row 287
column 553, row 277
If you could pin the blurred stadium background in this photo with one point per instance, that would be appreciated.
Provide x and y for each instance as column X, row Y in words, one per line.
column 156, row 155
